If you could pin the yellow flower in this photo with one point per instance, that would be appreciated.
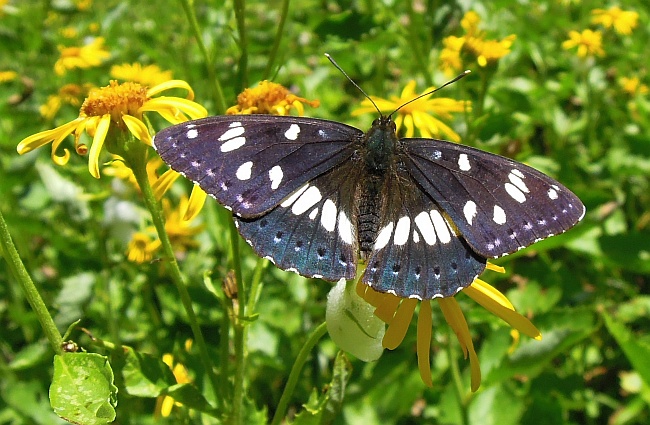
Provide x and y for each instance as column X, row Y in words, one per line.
column 181, row 232
column 633, row 86
column 450, row 59
column 474, row 43
column 397, row 313
column 69, row 32
column 120, row 107
column 269, row 98
column 6, row 76
column 83, row 5
column 588, row 42
column 164, row 404
column 424, row 114
column 623, row 21
column 489, row 51
column 71, row 94
column 141, row 248
column 149, row 75
column 88, row 56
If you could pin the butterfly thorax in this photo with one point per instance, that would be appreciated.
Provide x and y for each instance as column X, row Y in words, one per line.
column 380, row 142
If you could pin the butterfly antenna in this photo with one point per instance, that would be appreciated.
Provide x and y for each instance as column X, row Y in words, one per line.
column 465, row 73
column 331, row 59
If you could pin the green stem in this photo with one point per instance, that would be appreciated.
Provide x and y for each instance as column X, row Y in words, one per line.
column 458, row 381
column 217, row 92
column 278, row 37
column 240, row 332
column 139, row 170
column 20, row 273
column 295, row 372
column 240, row 6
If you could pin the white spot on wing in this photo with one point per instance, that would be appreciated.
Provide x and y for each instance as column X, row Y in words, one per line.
column 384, row 236
column 423, row 221
column 416, row 236
column 552, row 194
column 244, row 171
column 328, row 217
column 402, row 231
column 499, row 216
column 231, row 133
column 345, row 228
column 463, row 162
column 470, row 211
column 515, row 179
column 275, row 174
column 192, row 133
column 515, row 193
column 291, row 199
column 440, row 225
column 313, row 213
column 517, row 173
column 292, row 132
column 307, row 200
column 233, row 144
column 235, row 124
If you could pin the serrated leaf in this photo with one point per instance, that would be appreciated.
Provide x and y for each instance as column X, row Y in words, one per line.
column 82, row 389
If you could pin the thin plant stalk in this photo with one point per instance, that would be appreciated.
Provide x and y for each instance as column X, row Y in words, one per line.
column 278, row 38
column 20, row 273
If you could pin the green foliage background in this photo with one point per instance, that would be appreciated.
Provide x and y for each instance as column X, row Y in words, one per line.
column 586, row 290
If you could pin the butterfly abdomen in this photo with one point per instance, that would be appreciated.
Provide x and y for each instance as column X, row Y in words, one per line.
column 368, row 218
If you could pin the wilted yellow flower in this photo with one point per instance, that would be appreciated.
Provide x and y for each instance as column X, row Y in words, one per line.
column 588, row 43
column 489, row 51
column 424, row 114
column 269, row 98
column 119, row 106
column 164, row 404
column 397, row 313
column 623, row 21
column 180, row 230
column 149, row 75
column 87, row 56
column 450, row 59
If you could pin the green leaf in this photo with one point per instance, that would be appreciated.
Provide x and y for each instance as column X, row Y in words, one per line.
column 636, row 351
column 145, row 375
column 82, row 389
column 496, row 405
column 323, row 410
column 190, row 396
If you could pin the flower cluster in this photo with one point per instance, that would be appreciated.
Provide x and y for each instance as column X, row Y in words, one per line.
column 269, row 98
column 87, row 56
column 472, row 44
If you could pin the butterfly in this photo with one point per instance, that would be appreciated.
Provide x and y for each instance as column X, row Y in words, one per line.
column 315, row 196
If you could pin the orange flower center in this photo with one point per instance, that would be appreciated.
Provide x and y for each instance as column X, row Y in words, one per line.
column 115, row 99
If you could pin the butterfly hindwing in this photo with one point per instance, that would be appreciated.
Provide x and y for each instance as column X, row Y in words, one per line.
column 250, row 163
column 499, row 205
column 418, row 252
column 313, row 231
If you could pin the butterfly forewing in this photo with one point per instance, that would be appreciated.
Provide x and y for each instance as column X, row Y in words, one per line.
column 418, row 253
column 250, row 163
column 499, row 205
column 312, row 232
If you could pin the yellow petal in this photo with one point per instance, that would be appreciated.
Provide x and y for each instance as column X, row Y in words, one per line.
column 386, row 309
column 495, row 268
column 194, row 205
column 137, row 128
column 495, row 305
column 399, row 325
column 424, row 342
column 44, row 137
column 164, row 182
column 171, row 84
column 98, row 143
column 454, row 316
column 193, row 109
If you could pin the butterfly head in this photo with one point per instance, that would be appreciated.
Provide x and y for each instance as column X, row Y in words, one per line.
column 385, row 123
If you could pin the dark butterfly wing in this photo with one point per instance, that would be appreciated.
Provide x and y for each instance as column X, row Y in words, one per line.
column 499, row 205
column 312, row 232
column 250, row 163
column 418, row 251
